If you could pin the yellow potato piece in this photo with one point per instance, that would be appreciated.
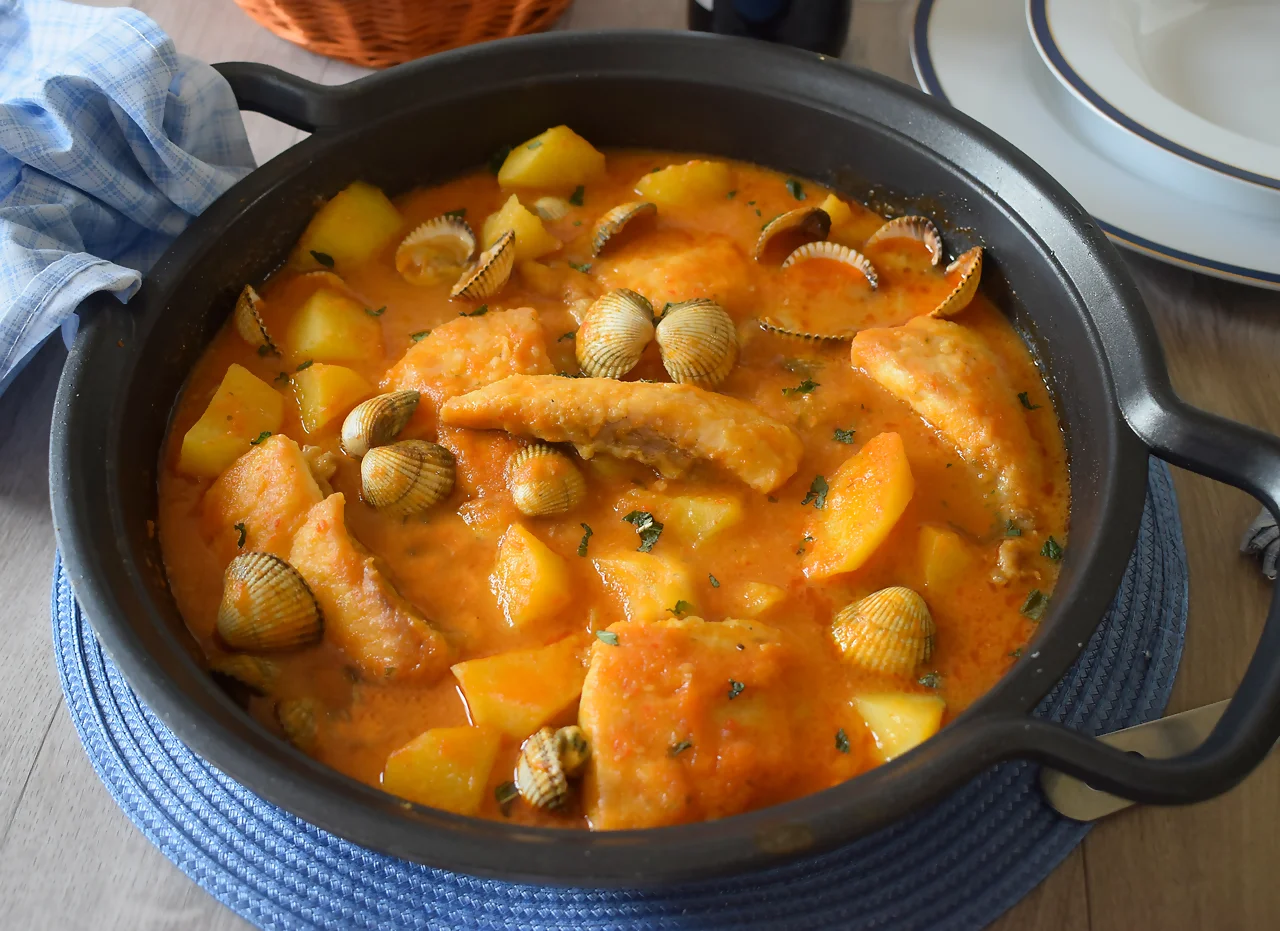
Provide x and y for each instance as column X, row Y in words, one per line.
column 354, row 224
column 531, row 582
column 558, row 158
column 758, row 597
column 332, row 327
column 532, row 238
column 698, row 518
column 328, row 391
column 866, row 497
column 268, row 491
column 242, row 409
column 647, row 587
column 943, row 556
column 687, row 184
column 445, row 767
column 518, row 692
column 899, row 721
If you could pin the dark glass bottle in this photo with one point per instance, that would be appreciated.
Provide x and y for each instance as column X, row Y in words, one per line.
column 816, row 25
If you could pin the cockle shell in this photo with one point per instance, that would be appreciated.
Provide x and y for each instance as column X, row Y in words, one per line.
column 548, row 760
column 377, row 421
column 544, row 481
column 835, row 252
column 969, row 267
column 299, row 719
column 253, row 672
column 920, row 229
column 490, row 272
column 406, row 477
column 436, row 251
column 698, row 341
column 785, row 232
column 552, row 208
column 889, row 631
column 267, row 605
column 614, row 221
column 248, row 320
column 614, row 333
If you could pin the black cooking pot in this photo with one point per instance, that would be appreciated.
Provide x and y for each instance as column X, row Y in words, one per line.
column 1048, row 265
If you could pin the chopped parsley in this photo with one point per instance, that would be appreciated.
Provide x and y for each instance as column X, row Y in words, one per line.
column 505, row 794
column 376, row 313
column 735, row 688
column 478, row 312
column 930, row 680
column 576, row 197
column 260, row 437
column 680, row 748
column 1052, row 549
column 607, row 636
column 323, row 258
column 584, row 267
column 577, row 222
column 305, row 365
column 456, row 214
column 758, row 213
column 534, row 144
column 265, row 349
column 805, row 387
column 843, row 436
column 283, row 378
column 1016, row 652
column 586, row 535
column 563, row 336
column 243, row 534
column 715, row 583
column 1035, row 605
column 648, row 528
column 1011, row 529
column 842, row 741
column 817, row 494
column 681, row 609
column 420, row 335
column 751, row 203
column 1026, row 402
column 772, row 499
column 497, row 158
column 807, row 539
column 731, row 195
column 796, row 188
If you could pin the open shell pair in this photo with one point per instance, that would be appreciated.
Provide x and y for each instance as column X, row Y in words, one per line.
column 441, row 249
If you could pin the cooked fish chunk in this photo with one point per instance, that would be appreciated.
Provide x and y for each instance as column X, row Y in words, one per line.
column 952, row 379
column 666, row 426
column 363, row 613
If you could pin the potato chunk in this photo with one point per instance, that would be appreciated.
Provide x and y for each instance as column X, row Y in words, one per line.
column 943, row 556
column 243, row 408
column 268, row 491
column 899, row 721
column 531, row 582
column 696, row 519
column 332, row 327
column 532, row 238
column 556, row 159
column 520, row 691
column 445, row 767
column 328, row 391
column 353, row 225
column 867, row 495
column 646, row 586
column 364, row 615
column 687, row 184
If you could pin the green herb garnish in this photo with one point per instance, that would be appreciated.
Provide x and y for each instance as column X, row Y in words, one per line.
column 842, row 741
column 607, row 636
column 759, row 214
column 817, row 493
column 805, row 387
column 497, row 158
column 807, row 539
column 305, row 365
column 930, row 680
column 1051, row 549
column 715, row 583
column 260, row 437
column 731, row 195
column 843, row 436
column 505, row 794
column 1011, row 529
column 243, row 534
column 584, row 267
column 478, row 312
column 1015, row 653
column 680, row 748
column 563, row 336
column 681, row 609
column 735, row 688
column 420, row 335
column 1035, row 605
column 323, row 258
column 265, row 349
column 1026, row 402
column 376, row 313
column 586, row 535
column 648, row 528
column 576, row 197
column 283, row 378
column 796, row 189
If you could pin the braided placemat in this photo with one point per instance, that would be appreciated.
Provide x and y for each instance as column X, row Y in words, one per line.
column 958, row 865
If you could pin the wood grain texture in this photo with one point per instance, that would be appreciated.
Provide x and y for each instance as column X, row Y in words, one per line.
column 69, row 859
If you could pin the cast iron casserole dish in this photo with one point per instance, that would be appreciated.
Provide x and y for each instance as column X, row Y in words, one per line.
column 1049, row 266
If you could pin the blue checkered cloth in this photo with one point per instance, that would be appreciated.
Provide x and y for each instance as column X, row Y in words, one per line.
column 110, row 142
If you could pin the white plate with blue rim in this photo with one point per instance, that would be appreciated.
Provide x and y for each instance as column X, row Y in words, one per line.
column 979, row 56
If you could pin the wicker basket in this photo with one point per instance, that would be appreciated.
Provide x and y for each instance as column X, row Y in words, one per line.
column 380, row 33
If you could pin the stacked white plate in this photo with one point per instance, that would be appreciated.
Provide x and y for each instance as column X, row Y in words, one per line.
column 1162, row 117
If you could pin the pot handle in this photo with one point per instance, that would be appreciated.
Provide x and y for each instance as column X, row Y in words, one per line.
column 286, row 97
column 1248, row 459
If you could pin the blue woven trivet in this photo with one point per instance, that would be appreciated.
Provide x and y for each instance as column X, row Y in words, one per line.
column 958, row 865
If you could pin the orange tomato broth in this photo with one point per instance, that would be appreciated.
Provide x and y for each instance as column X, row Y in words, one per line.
column 442, row 562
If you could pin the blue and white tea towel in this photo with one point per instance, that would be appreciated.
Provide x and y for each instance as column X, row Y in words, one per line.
column 110, row 142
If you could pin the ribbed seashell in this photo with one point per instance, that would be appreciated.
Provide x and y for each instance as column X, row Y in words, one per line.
column 544, row 481
column 299, row 719
column 969, row 266
column 490, row 272
column 835, row 252
column 889, row 631
column 773, row 325
column 552, row 208
column 548, row 760
column 267, row 605
column 921, row 229
column 614, row 221
column 436, row 251
column 614, row 333
column 253, row 672
column 698, row 341
column 248, row 318
column 790, row 230
column 377, row 421
column 406, row 477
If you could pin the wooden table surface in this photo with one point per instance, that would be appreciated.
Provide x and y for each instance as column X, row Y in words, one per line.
column 69, row 859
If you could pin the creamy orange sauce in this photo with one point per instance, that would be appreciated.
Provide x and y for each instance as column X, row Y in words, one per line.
column 441, row 562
